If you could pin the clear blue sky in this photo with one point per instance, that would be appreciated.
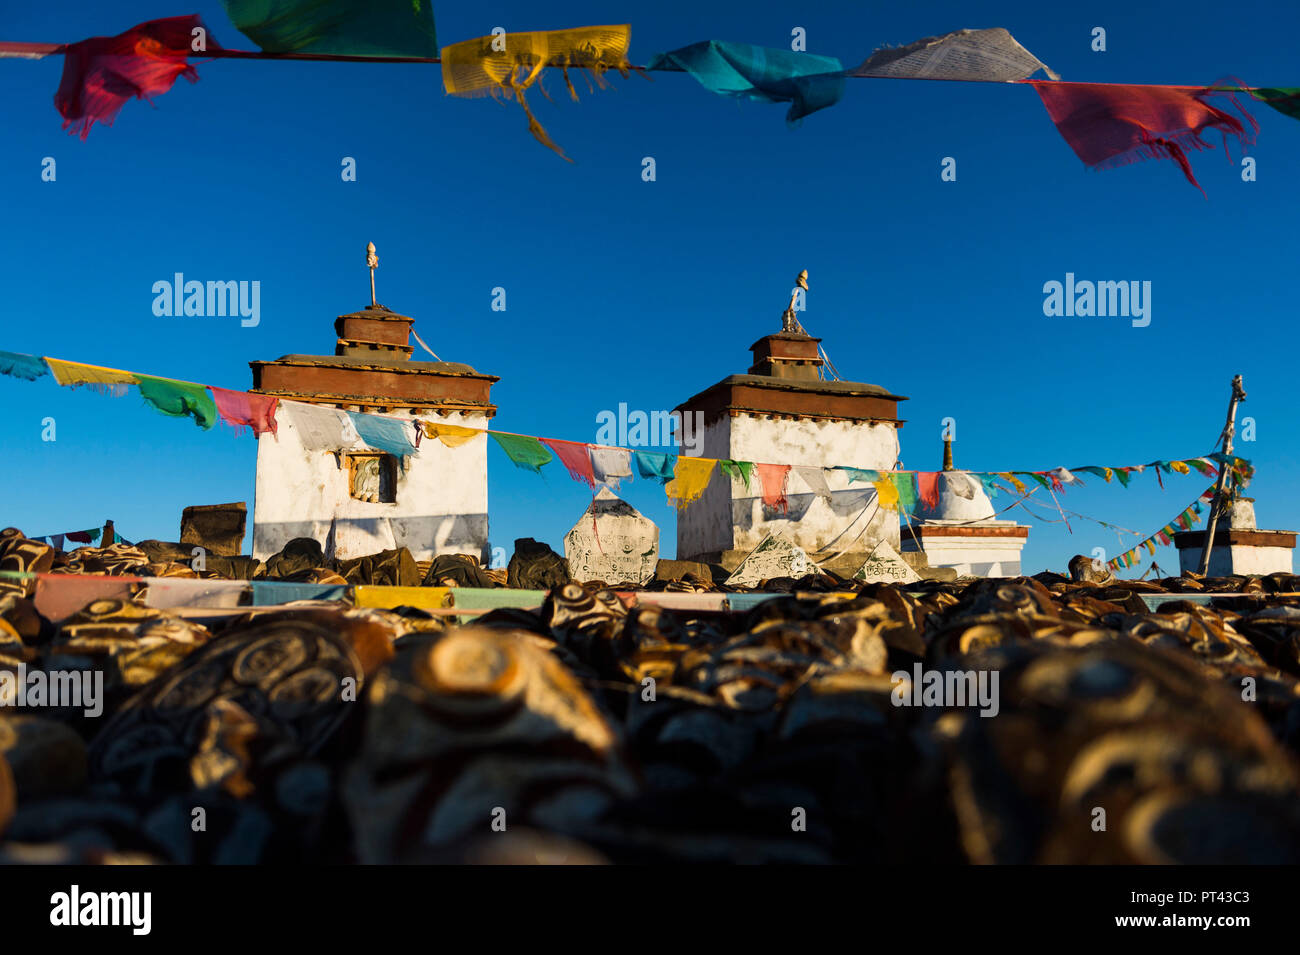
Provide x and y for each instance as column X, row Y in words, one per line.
column 621, row 290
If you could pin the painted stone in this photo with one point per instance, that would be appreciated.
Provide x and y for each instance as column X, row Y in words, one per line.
column 885, row 566
column 775, row 556
column 612, row 542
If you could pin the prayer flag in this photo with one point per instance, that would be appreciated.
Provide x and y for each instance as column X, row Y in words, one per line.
column 772, row 478
column 610, row 466
column 320, row 428
column 990, row 56
column 390, row 435
column 815, row 478
column 242, row 409
column 107, row 381
column 402, row 28
column 807, row 82
column 689, row 480
column 575, row 457
column 452, row 435
column 862, row 475
column 1285, row 99
column 905, row 483
column 887, row 493
column 507, row 65
column 737, row 470
column 1113, row 124
column 654, row 466
column 178, row 399
column 100, row 74
column 928, row 484
column 26, row 367
column 523, row 451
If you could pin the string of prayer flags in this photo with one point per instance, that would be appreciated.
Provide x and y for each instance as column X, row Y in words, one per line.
column 1110, row 125
column 390, row 435
column 401, row 28
column 1165, row 535
column 242, row 409
column 178, row 399
column 654, row 466
column 611, row 466
column 772, row 478
column 452, row 435
column 806, row 81
column 106, row 381
column 737, row 470
column 1101, row 472
column 506, row 65
column 523, row 451
column 26, row 367
column 815, row 478
column 100, row 74
column 987, row 56
column 575, row 457
column 690, row 479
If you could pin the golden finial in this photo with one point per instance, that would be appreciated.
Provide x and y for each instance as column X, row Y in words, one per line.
column 372, row 263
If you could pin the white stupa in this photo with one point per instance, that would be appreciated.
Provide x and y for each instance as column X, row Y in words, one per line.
column 962, row 531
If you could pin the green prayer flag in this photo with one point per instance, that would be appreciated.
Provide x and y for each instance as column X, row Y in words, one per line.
column 1285, row 99
column 179, row 398
column 905, row 483
column 737, row 469
column 343, row 27
column 524, row 451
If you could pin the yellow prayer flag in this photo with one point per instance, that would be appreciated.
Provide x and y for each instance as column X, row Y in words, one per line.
column 886, row 493
column 1180, row 467
column 110, row 380
column 1018, row 484
column 452, row 435
column 507, row 64
column 690, row 478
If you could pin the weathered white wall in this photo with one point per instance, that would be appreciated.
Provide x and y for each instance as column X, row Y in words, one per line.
column 1238, row 560
column 730, row 517
column 441, row 505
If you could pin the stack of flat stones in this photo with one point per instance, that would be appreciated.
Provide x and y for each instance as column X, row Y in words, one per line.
column 594, row 730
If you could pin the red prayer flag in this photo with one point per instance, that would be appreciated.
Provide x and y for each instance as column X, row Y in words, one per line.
column 927, row 483
column 575, row 457
column 773, row 478
column 241, row 409
column 1113, row 124
column 100, row 74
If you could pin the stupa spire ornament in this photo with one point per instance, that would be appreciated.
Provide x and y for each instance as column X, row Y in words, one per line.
column 372, row 263
column 789, row 323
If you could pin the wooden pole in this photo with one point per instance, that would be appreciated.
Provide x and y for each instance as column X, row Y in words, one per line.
column 1216, row 506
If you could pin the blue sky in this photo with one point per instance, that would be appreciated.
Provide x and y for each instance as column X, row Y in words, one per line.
column 621, row 290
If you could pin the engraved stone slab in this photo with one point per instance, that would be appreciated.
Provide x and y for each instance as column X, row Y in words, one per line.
column 776, row 556
column 612, row 542
column 885, row 566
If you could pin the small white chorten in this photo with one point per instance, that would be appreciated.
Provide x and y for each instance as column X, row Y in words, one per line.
column 961, row 531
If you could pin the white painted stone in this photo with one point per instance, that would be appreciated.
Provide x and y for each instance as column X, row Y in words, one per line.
column 775, row 556
column 729, row 516
column 441, row 505
column 612, row 542
column 884, row 566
